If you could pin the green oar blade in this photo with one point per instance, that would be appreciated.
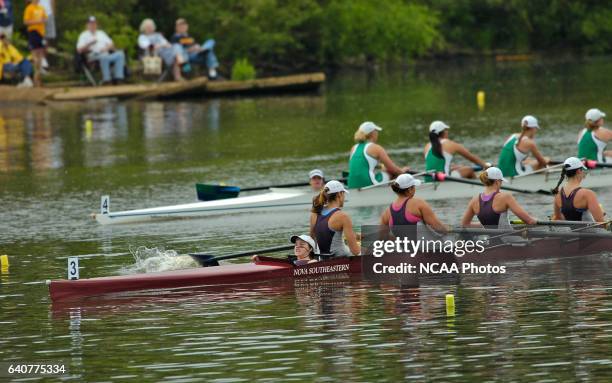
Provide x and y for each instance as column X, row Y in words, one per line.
column 208, row 192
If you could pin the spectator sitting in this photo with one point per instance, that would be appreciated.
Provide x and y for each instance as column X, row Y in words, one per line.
column 6, row 18
column 196, row 53
column 35, row 17
column 12, row 61
column 154, row 43
column 99, row 47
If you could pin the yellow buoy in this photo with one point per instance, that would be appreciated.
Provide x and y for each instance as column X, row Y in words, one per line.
column 480, row 99
column 88, row 128
column 450, row 305
column 4, row 262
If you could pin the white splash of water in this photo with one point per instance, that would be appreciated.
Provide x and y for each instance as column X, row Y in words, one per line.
column 150, row 260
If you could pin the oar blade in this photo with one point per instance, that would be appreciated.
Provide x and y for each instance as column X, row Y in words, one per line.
column 208, row 192
column 204, row 259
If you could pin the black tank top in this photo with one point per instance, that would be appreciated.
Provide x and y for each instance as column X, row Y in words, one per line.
column 570, row 212
column 487, row 216
column 399, row 222
column 323, row 234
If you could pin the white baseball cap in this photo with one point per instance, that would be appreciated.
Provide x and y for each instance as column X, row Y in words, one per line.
column 316, row 173
column 573, row 163
column 306, row 238
column 405, row 181
column 594, row 114
column 335, row 187
column 530, row 122
column 368, row 127
column 438, row 127
column 494, row 173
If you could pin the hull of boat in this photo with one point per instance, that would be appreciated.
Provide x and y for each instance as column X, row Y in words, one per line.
column 203, row 276
column 301, row 198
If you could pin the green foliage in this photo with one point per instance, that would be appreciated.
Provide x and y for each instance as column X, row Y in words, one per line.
column 242, row 70
column 280, row 35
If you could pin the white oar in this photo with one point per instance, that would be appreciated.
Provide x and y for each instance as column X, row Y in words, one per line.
column 388, row 182
column 539, row 170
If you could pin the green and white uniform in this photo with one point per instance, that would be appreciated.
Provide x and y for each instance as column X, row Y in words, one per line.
column 591, row 147
column 362, row 168
column 511, row 158
column 435, row 163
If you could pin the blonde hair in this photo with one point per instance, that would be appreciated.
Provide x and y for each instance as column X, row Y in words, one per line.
column 484, row 178
column 361, row 136
column 144, row 23
column 590, row 125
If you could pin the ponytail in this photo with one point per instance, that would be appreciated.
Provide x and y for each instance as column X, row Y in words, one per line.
column 484, row 178
column 525, row 127
column 436, row 146
column 399, row 191
column 323, row 198
column 555, row 191
column 590, row 125
column 564, row 173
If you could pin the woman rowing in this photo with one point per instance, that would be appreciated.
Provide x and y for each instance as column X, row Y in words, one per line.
column 440, row 150
column 407, row 210
column 491, row 207
column 594, row 137
column 328, row 223
column 513, row 159
column 365, row 156
column 573, row 202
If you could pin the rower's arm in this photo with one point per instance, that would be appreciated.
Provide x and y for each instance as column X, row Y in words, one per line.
column 557, row 215
column 606, row 136
column 390, row 166
column 464, row 152
column 313, row 221
column 469, row 214
column 594, row 206
column 431, row 219
column 383, row 231
column 349, row 233
column 536, row 153
column 518, row 210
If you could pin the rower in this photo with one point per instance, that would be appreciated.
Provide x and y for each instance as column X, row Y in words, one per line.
column 573, row 202
column 408, row 210
column 305, row 250
column 328, row 223
column 491, row 207
column 365, row 156
column 594, row 137
column 316, row 180
column 513, row 159
column 439, row 153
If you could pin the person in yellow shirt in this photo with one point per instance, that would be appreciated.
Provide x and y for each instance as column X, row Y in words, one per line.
column 35, row 17
column 11, row 61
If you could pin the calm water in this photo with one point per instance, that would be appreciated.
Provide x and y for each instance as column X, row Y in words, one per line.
column 545, row 321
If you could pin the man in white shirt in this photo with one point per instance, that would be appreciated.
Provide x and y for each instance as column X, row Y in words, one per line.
column 99, row 47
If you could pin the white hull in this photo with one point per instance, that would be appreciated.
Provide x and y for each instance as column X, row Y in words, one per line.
column 301, row 198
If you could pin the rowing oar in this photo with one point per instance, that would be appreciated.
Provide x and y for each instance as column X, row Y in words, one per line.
column 208, row 192
column 443, row 177
column 555, row 223
column 594, row 164
column 533, row 233
column 211, row 260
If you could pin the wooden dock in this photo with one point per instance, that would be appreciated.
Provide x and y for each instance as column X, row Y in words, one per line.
column 198, row 87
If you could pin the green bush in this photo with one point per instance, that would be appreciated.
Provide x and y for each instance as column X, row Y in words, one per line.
column 242, row 70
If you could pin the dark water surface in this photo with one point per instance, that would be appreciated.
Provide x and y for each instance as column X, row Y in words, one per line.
column 543, row 321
